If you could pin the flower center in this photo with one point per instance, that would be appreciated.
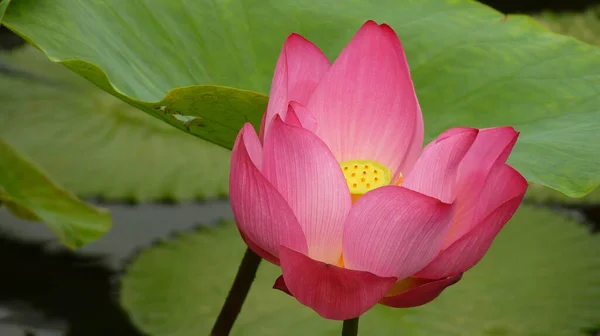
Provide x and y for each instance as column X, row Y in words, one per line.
column 363, row 176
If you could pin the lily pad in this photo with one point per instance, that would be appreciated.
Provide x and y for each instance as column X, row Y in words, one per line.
column 584, row 26
column 541, row 277
column 96, row 145
column 31, row 195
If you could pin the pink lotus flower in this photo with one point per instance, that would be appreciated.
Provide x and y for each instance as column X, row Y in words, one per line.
column 338, row 191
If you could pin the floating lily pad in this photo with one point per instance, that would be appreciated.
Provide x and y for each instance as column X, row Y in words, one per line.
column 541, row 277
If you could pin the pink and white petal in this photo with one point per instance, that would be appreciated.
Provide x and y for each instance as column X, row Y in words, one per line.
column 490, row 146
column 280, row 285
column 435, row 172
column 300, row 67
column 309, row 178
column 252, row 145
column 503, row 183
column 394, row 231
column 423, row 292
column 473, row 204
column 466, row 251
column 261, row 213
column 299, row 116
column 417, row 144
column 366, row 106
column 333, row 292
column 469, row 249
column 259, row 250
column 452, row 132
column 306, row 65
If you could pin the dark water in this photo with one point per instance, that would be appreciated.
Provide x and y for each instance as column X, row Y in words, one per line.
column 45, row 288
column 534, row 6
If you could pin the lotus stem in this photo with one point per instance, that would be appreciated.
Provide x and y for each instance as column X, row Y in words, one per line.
column 237, row 294
column 350, row 327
